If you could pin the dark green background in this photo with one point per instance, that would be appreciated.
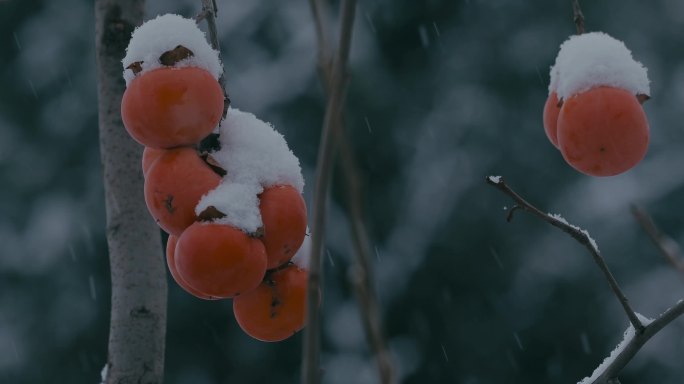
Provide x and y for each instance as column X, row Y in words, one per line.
column 442, row 94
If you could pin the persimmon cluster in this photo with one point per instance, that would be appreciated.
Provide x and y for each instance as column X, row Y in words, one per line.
column 593, row 113
column 170, row 110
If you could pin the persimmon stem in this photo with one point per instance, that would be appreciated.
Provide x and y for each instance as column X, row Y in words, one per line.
column 209, row 13
column 326, row 152
column 578, row 17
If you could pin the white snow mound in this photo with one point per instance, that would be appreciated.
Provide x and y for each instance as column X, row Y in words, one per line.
column 255, row 157
column 164, row 33
column 596, row 59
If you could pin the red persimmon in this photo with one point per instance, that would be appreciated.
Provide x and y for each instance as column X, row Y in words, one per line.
column 283, row 213
column 603, row 131
column 172, row 107
column 174, row 185
column 276, row 309
column 220, row 260
column 551, row 111
column 171, row 262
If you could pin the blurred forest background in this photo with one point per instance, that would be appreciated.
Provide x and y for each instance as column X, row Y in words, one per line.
column 443, row 93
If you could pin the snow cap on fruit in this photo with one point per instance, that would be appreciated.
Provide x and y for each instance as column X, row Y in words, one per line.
column 164, row 34
column 255, row 156
column 596, row 59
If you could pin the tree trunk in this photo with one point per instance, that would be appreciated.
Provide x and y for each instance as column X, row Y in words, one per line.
column 138, row 317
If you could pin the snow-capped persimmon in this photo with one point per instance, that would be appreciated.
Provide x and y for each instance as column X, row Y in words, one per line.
column 174, row 184
column 603, row 131
column 220, row 260
column 276, row 309
column 150, row 155
column 171, row 262
column 551, row 111
column 172, row 107
column 283, row 213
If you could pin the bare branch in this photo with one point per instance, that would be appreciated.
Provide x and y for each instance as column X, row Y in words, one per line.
column 362, row 277
column 578, row 16
column 581, row 236
column 642, row 333
column 338, row 82
column 667, row 247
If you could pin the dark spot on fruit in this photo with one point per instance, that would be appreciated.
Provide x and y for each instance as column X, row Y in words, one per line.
column 275, row 302
column 168, row 204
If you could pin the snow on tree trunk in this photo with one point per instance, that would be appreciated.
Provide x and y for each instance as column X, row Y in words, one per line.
column 138, row 317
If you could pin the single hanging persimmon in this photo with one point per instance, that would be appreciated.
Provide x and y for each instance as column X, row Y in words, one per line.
column 600, row 128
column 171, row 262
column 170, row 107
column 550, row 118
column 283, row 213
column 174, row 185
column 220, row 260
column 276, row 309
column 603, row 131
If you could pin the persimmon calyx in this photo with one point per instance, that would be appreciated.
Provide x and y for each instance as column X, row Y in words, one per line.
column 213, row 164
column 171, row 57
column 210, row 214
column 642, row 97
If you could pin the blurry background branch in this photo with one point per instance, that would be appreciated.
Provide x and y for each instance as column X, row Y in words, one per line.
column 606, row 373
column 665, row 244
column 326, row 154
column 138, row 275
column 362, row 273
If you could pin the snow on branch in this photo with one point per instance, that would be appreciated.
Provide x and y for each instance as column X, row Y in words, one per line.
column 608, row 371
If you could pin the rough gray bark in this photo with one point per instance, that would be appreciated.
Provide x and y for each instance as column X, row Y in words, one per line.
column 138, row 317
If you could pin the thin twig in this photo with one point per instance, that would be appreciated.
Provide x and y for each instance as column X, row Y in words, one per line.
column 578, row 234
column 362, row 276
column 320, row 11
column 311, row 353
column 578, row 16
column 613, row 369
column 209, row 13
column 667, row 247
